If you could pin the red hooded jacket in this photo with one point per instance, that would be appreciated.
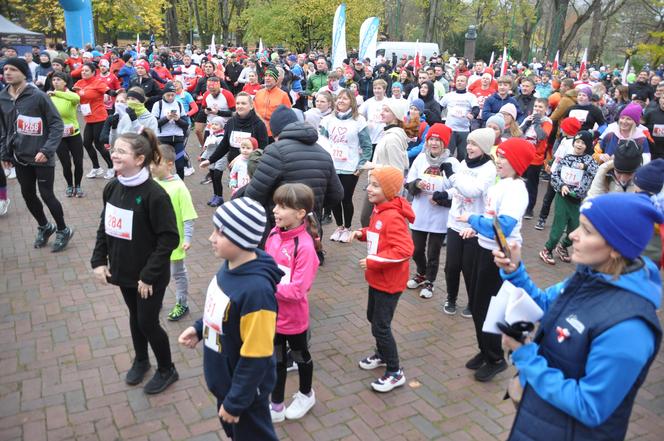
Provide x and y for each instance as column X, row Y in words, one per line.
column 389, row 245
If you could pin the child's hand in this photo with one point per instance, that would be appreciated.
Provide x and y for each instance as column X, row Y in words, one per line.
column 564, row 191
column 186, row 246
column 468, row 233
column 227, row 417
column 363, row 263
column 508, row 265
column 354, row 235
column 204, row 164
column 188, row 338
column 604, row 158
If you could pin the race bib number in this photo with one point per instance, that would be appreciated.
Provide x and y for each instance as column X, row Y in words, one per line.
column 29, row 125
column 340, row 152
column 86, row 109
column 658, row 131
column 571, row 176
column 457, row 112
column 108, row 101
column 216, row 307
column 287, row 274
column 69, row 130
column 432, row 183
column 372, row 243
column 118, row 222
column 237, row 137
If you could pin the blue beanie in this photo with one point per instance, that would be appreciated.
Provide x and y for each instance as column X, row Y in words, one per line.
column 397, row 84
column 650, row 177
column 419, row 104
column 628, row 229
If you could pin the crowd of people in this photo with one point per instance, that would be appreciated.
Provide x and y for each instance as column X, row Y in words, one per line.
column 454, row 156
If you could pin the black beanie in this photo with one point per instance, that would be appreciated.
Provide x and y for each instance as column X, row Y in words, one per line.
column 627, row 157
column 20, row 64
column 281, row 117
column 587, row 138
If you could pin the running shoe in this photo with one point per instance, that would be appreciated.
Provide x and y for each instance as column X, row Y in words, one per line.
column 540, row 224
column 161, row 380
column 416, row 281
column 79, row 193
column 137, row 372
column 528, row 215
column 277, row 412
column 188, row 171
column 4, row 206
column 95, row 173
column 69, row 192
column 371, row 362
column 11, row 174
column 389, row 381
column 466, row 313
column 110, row 174
column 490, row 370
column 216, row 201
column 547, row 256
column 427, row 291
column 62, row 238
column 43, row 233
column 562, row 253
column 178, row 311
column 336, row 236
column 301, row 405
column 345, row 235
column 449, row 307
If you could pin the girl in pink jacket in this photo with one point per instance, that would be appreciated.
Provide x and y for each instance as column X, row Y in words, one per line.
column 293, row 244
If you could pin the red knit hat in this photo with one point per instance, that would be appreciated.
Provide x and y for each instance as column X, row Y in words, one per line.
column 144, row 64
column 570, row 126
column 254, row 142
column 518, row 152
column 440, row 131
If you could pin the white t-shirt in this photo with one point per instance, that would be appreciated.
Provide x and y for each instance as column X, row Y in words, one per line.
column 161, row 109
column 508, row 197
column 343, row 142
column 429, row 217
column 470, row 186
column 371, row 110
column 458, row 106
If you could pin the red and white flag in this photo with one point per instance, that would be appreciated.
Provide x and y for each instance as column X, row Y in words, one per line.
column 503, row 64
column 584, row 60
column 418, row 56
column 138, row 44
column 491, row 60
column 625, row 72
column 555, row 62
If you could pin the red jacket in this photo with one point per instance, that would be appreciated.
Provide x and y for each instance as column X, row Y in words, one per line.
column 389, row 245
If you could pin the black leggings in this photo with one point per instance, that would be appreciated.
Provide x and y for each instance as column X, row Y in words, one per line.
column 427, row 253
column 145, row 327
column 299, row 346
column 180, row 154
column 547, row 201
column 71, row 147
column 30, row 177
column 532, row 176
column 460, row 259
column 3, row 178
column 91, row 136
column 343, row 212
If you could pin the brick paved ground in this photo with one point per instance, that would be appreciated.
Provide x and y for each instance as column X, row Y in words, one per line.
column 65, row 347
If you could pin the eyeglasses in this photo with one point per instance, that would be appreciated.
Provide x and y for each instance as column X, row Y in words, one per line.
column 118, row 151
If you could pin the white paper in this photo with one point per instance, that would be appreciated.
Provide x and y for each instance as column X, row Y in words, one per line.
column 510, row 305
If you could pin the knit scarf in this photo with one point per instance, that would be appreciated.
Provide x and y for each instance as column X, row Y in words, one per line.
column 435, row 161
column 136, row 180
column 138, row 108
column 476, row 162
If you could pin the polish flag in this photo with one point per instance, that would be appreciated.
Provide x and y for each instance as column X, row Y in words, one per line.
column 503, row 64
column 584, row 60
column 491, row 60
column 555, row 62
column 625, row 72
column 418, row 56
column 138, row 44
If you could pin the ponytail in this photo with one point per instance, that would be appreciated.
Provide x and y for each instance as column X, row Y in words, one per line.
column 314, row 230
column 300, row 197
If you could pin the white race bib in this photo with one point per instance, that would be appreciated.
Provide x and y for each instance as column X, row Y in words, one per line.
column 457, row 112
column 658, row 130
column 340, row 152
column 372, row 243
column 432, row 183
column 86, row 109
column 287, row 274
column 118, row 221
column 237, row 137
column 216, row 304
column 571, row 176
column 29, row 125
column 579, row 114
column 68, row 130
column 41, row 79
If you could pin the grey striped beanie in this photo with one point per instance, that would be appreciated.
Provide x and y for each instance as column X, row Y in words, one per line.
column 242, row 221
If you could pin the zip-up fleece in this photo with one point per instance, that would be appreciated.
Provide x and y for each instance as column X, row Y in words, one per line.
column 29, row 125
column 294, row 252
column 389, row 245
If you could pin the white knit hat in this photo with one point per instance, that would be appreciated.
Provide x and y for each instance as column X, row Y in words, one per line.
column 242, row 221
column 397, row 107
column 483, row 138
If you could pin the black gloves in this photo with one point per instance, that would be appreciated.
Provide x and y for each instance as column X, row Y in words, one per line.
column 442, row 198
column 446, row 168
column 115, row 119
column 131, row 113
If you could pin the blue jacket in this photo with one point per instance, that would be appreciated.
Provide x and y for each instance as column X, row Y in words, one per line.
column 126, row 73
column 493, row 104
column 238, row 361
column 582, row 387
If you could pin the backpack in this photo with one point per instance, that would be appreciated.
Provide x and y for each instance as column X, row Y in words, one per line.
column 184, row 118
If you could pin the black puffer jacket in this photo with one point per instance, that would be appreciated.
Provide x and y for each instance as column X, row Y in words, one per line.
column 250, row 124
column 296, row 158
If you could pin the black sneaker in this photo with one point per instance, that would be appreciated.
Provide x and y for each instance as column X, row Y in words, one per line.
column 161, row 380
column 490, row 370
column 466, row 313
column 62, row 238
column 449, row 307
column 540, row 224
column 43, row 233
column 528, row 215
column 137, row 372
column 476, row 362
column 326, row 220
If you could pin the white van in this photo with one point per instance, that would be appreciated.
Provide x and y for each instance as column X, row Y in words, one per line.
column 407, row 48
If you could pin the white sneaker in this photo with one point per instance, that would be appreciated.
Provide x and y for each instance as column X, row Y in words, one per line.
column 4, row 206
column 336, row 236
column 388, row 382
column 427, row 291
column 371, row 362
column 278, row 416
column 95, row 172
column 301, row 405
column 188, row 171
column 345, row 235
column 11, row 174
column 110, row 174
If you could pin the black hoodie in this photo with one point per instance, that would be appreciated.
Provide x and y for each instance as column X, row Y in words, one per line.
column 431, row 106
column 251, row 124
column 296, row 157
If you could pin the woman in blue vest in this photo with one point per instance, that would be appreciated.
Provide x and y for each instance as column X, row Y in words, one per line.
column 599, row 334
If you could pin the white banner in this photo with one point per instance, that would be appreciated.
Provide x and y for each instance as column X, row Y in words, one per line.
column 339, row 37
column 369, row 39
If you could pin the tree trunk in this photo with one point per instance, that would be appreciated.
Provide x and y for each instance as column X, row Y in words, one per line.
column 193, row 6
column 595, row 32
column 559, row 12
column 580, row 21
column 431, row 22
column 173, row 35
